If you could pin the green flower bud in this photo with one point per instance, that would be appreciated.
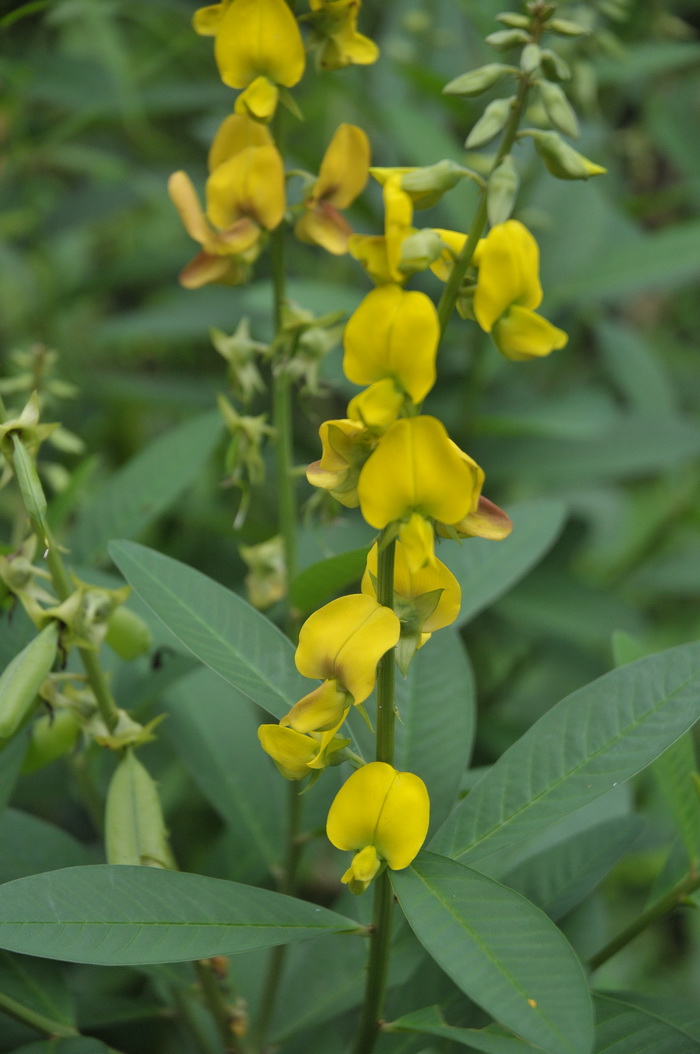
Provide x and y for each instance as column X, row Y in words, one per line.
column 505, row 39
column 127, row 634
column 22, row 679
column 425, row 186
column 558, row 109
column 53, row 735
column 561, row 159
column 502, row 191
column 477, row 81
column 553, row 66
column 566, row 28
column 135, row 831
column 530, row 58
column 30, row 487
column 507, row 18
column 419, row 250
column 490, row 123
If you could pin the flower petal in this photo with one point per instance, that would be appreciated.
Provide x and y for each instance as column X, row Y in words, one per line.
column 236, row 132
column 522, row 334
column 344, row 168
column 259, row 37
column 251, row 183
column 508, row 264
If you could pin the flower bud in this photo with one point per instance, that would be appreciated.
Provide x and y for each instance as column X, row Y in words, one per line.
column 33, row 497
column 566, row 28
column 502, row 191
column 490, row 123
column 505, row 39
column 135, row 831
column 530, row 58
column 553, row 66
column 561, row 159
column 479, row 80
column 558, row 109
column 509, row 18
column 21, row 680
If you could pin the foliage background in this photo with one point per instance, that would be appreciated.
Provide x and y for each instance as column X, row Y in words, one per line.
column 103, row 99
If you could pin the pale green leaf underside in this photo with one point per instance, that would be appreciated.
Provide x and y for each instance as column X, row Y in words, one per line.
column 121, row 915
column 627, row 1029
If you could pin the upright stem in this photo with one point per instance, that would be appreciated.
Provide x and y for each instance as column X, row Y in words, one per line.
column 378, row 966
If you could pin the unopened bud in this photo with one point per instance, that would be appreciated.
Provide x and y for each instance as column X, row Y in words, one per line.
column 566, row 28
column 419, row 250
column 558, row 108
column 477, row 81
column 490, row 123
column 30, row 487
column 127, row 634
column 21, row 680
column 505, row 39
column 530, row 58
column 502, row 191
column 135, row 831
column 553, row 66
column 561, row 159
column 508, row 18
column 425, row 186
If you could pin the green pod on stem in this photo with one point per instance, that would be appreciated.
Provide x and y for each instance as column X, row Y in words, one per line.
column 53, row 735
column 21, row 680
column 135, row 831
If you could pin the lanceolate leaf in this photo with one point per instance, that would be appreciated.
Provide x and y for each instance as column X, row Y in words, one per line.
column 503, row 952
column 316, row 584
column 626, row 1029
column 130, row 915
column 588, row 743
column 430, row 1022
column 219, row 627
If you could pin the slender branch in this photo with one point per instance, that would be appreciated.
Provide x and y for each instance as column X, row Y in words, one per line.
column 380, row 946
column 45, row 1025
column 217, row 1004
column 655, row 911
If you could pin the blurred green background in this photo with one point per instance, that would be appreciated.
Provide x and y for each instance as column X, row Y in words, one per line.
column 102, row 99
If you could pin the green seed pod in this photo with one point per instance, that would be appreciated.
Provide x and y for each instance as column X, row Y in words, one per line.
column 22, row 679
column 558, row 109
column 566, row 28
column 561, row 159
column 530, row 58
column 502, row 191
column 53, row 735
column 127, row 634
column 490, row 123
column 553, row 66
column 505, row 39
column 135, row 831
column 479, row 80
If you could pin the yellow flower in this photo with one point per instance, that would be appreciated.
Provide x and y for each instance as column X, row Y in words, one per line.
column 296, row 755
column 344, row 640
column 393, row 334
column 382, row 813
column 380, row 255
column 346, row 446
column 320, row 710
column 245, row 195
column 417, row 474
column 410, row 585
column 337, row 40
column 342, row 177
column 377, row 407
column 257, row 46
column 508, row 290
column 486, row 520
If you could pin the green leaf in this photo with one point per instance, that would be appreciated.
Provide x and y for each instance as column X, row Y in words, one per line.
column 594, row 739
column 11, row 760
column 487, row 569
column 122, row 915
column 627, row 1029
column 674, row 771
column 430, row 1021
column 30, row 845
column 37, row 985
column 559, row 877
column 73, row 1045
column 214, row 732
column 221, row 629
column 139, row 492
column 313, row 586
column 636, row 370
column 503, row 952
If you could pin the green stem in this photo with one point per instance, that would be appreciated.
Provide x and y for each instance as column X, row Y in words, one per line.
column 218, row 1007
column 286, row 499
column 652, row 914
column 98, row 682
column 449, row 294
column 45, row 1025
column 380, row 943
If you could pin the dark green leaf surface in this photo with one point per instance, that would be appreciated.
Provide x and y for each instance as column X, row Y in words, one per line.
column 74, row 1045
column 626, row 1029
column 313, row 586
column 37, row 985
column 673, row 772
column 594, row 739
column 30, row 845
column 217, row 626
column 121, row 915
column 487, row 569
column 136, row 495
column 11, row 759
column 429, row 1021
column 503, row 952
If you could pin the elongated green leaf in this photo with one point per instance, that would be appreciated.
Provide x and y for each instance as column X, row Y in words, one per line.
column 503, row 952
column 594, row 739
column 37, row 985
column 214, row 732
column 673, row 772
column 139, row 492
column 116, row 914
column 431, row 1022
column 30, row 845
column 316, row 584
column 627, row 1029
column 560, row 877
column 220, row 628
column 486, row 569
